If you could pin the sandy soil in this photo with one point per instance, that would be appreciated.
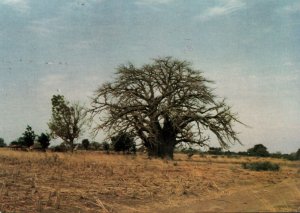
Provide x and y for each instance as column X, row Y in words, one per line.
column 281, row 197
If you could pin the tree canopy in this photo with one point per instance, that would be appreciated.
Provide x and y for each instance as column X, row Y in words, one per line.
column 259, row 150
column 163, row 104
column 28, row 137
column 44, row 140
column 67, row 120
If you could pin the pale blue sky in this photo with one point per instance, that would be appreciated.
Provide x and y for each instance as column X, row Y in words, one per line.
column 251, row 49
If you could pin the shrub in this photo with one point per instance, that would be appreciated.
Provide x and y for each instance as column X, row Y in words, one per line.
column 85, row 143
column 44, row 140
column 132, row 149
column 297, row 155
column 60, row 148
column 95, row 145
column 243, row 153
column 106, row 147
column 261, row 166
column 190, row 152
column 123, row 142
column 15, row 143
column 202, row 154
column 37, row 145
column 215, row 151
column 291, row 157
column 2, row 143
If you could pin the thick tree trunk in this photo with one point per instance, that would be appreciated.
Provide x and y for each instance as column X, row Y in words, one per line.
column 163, row 143
column 164, row 148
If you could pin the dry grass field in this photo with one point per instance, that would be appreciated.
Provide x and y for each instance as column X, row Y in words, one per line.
column 97, row 182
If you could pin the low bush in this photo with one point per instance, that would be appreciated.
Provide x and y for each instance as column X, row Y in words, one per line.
column 189, row 152
column 60, row 148
column 261, row 166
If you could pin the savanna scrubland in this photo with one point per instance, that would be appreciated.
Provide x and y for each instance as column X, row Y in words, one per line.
column 88, row 181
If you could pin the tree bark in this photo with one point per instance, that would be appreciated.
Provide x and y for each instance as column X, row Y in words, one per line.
column 72, row 145
column 162, row 151
column 162, row 148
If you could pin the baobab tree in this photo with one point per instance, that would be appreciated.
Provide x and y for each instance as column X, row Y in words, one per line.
column 163, row 104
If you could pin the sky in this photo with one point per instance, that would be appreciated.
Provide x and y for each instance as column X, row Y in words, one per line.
column 250, row 49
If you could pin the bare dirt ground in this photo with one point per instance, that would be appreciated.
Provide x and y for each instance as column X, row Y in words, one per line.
column 96, row 182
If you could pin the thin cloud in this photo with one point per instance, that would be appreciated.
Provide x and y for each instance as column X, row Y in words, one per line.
column 53, row 80
column 19, row 5
column 228, row 7
column 45, row 27
column 152, row 2
column 292, row 8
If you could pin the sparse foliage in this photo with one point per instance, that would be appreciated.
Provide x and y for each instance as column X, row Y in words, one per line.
column 67, row 120
column 163, row 104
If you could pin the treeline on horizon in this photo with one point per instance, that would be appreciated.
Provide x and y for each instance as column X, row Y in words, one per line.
column 123, row 143
column 258, row 150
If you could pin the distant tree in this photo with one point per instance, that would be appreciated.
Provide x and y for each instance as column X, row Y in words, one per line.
column 276, row 155
column 2, row 143
column 243, row 153
column 259, row 150
column 85, row 143
column 297, row 156
column 28, row 137
column 106, row 147
column 122, row 142
column 229, row 153
column 21, row 141
column 67, row 120
column 44, row 140
column 15, row 143
column 95, row 145
column 60, row 148
column 215, row 150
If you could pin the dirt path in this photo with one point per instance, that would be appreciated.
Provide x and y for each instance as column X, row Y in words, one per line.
column 284, row 196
